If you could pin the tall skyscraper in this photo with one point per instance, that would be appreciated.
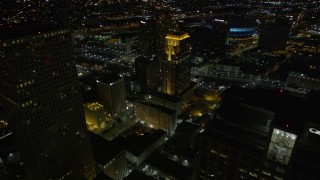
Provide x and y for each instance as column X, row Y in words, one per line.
column 219, row 37
column 40, row 93
column 148, row 73
column 153, row 32
column 112, row 95
column 176, row 73
column 149, row 38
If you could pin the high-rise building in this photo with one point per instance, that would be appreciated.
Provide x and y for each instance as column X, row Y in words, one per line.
column 149, row 38
column 112, row 95
column 176, row 75
column 157, row 117
column 219, row 36
column 153, row 32
column 274, row 35
column 148, row 73
column 268, row 141
column 40, row 92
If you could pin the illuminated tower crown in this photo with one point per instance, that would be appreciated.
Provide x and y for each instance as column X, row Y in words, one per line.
column 176, row 68
column 173, row 44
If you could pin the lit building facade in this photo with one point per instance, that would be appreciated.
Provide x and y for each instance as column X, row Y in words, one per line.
column 300, row 80
column 95, row 115
column 112, row 95
column 156, row 116
column 176, row 75
column 165, row 100
column 117, row 167
column 40, row 92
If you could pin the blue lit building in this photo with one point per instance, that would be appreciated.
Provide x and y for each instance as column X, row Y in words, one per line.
column 239, row 26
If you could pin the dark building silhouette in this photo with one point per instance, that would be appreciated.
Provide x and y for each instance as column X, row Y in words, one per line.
column 148, row 73
column 165, row 25
column 259, row 134
column 40, row 92
column 219, row 36
column 274, row 35
column 135, row 174
column 110, row 157
column 63, row 13
column 149, row 38
column 153, row 33
column 166, row 168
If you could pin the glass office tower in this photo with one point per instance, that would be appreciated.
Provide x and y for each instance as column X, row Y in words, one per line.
column 40, row 91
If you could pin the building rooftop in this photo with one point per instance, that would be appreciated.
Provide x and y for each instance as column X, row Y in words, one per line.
column 109, row 78
column 143, row 60
column 177, row 36
column 290, row 112
column 88, row 86
column 161, row 108
column 7, row 145
column 169, row 167
column 191, row 85
column 20, row 30
column 165, row 96
column 102, row 176
column 186, row 127
column 137, row 144
column 305, row 64
column 235, row 136
column 228, row 61
column 94, row 106
column 236, row 21
column 103, row 150
column 137, row 175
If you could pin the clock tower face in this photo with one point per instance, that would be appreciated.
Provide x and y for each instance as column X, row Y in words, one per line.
column 281, row 145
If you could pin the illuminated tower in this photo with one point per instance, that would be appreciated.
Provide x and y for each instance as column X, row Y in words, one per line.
column 40, row 92
column 176, row 74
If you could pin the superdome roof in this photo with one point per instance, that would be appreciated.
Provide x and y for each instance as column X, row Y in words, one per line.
column 237, row 21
